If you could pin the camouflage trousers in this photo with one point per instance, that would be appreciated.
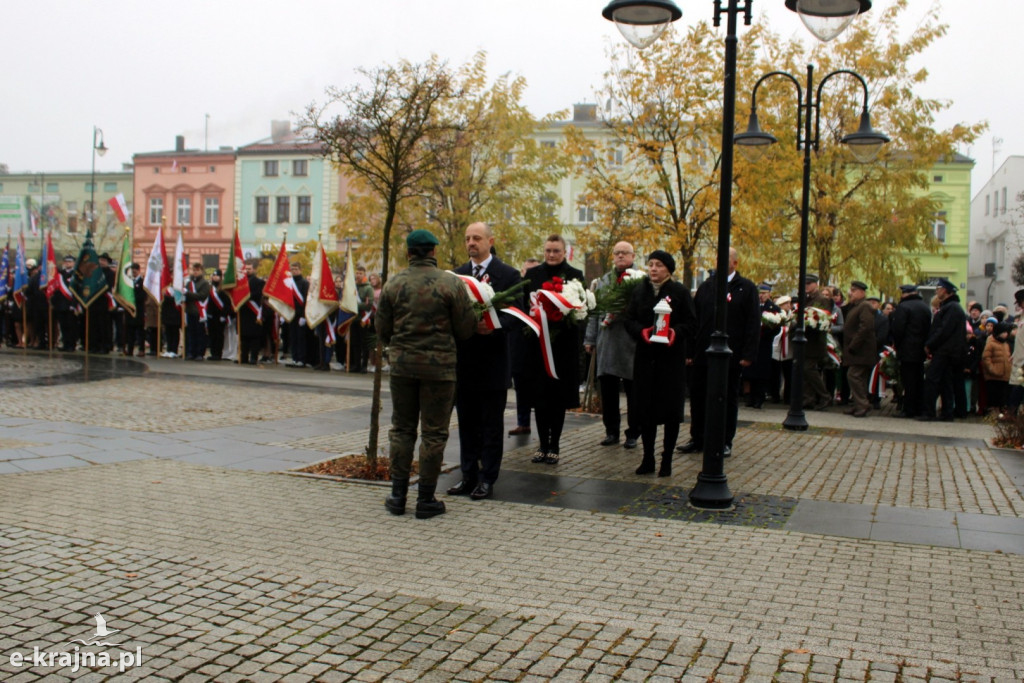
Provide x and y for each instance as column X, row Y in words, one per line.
column 419, row 402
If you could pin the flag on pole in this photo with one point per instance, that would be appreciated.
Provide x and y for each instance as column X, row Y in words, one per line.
column 119, row 206
column 323, row 296
column 89, row 282
column 178, row 278
column 158, row 273
column 20, row 271
column 279, row 291
column 348, row 307
column 124, row 290
column 5, row 271
column 235, row 279
column 33, row 223
column 49, row 275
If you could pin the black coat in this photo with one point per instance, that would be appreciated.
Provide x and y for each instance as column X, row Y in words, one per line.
column 659, row 370
column 742, row 322
column 247, row 325
column 565, row 345
column 909, row 325
column 762, row 367
column 948, row 334
column 140, row 296
column 170, row 313
column 483, row 361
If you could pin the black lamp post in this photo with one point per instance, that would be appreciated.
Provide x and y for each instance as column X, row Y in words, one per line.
column 101, row 149
column 864, row 144
column 641, row 22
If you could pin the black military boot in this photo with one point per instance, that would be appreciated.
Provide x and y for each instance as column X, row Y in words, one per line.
column 666, row 465
column 646, row 465
column 426, row 504
column 395, row 503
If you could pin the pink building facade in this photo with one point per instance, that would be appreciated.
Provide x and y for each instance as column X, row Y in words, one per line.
column 185, row 190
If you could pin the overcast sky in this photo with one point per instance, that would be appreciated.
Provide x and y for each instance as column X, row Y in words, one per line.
column 145, row 72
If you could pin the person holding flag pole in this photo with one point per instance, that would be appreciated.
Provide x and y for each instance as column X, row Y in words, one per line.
column 48, row 278
column 178, row 281
column 20, row 285
column 321, row 301
column 158, row 277
column 236, row 283
column 348, row 307
column 89, row 282
column 280, row 290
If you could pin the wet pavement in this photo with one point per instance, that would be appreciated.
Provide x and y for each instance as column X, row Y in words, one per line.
column 151, row 491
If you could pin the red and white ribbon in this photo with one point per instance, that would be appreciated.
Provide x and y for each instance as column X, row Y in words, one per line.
column 831, row 351
column 481, row 297
column 539, row 312
column 784, row 343
column 877, row 383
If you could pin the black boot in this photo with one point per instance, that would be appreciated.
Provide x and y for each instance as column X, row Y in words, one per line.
column 395, row 503
column 646, row 465
column 666, row 465
column 426, row 505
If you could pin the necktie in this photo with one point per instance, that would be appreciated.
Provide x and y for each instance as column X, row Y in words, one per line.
column 478, row 271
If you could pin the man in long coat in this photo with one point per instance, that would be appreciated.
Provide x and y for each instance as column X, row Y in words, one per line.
column 859, row 354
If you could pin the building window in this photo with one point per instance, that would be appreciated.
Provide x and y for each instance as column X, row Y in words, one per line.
column 550, row 144
column 89, row 187
column 303, row 209
column 1, row 187
column 156, row 169
column 615, row 157
column 283, row 205
column 210, row 261
column 584, row 213
column 211, row 211
column 184, row 211
column 34, row 187
column 300, row 167
column 988, row 205
column 936, row 179
column 263, row 209
column 110, row 187
column 270, row 168
column 213, row 169
column 1004, row 201
column 72, row 207
column 939, row 227
column 52, row 187
column 72, row 223
column 156, row 211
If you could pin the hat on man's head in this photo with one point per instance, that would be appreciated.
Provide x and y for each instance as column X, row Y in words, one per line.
column 69, row 257
column 810, row 277
column 105, row 256
column 946, row 285
column 908, row 289
column 857, row 284
column 1018, row 296
column 765, row 287
column 874, row 298
column 783, row 300
column 665, row 258
column 421, row 238
column 976, row 306
column 218, row 273
column 30, row 263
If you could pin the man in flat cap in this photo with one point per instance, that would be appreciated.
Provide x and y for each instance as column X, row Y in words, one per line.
column 947, row 347
column 422, row 312
column 859, row 354
column 910, row 324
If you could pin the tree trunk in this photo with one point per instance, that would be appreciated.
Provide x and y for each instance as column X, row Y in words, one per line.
column 375, row 407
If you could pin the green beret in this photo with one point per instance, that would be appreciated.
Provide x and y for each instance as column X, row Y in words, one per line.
column 421, row 238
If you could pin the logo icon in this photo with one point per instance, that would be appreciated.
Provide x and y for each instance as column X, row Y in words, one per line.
column 101, row 632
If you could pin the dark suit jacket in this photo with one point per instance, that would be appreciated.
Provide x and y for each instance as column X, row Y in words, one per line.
column 742, row 321
column 483, row 363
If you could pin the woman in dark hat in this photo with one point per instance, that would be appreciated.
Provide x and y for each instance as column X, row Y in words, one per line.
column 659, row 369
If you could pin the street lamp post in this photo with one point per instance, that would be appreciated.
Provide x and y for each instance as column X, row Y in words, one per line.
column 101, row 149
column 864, row 144
column 641, row 22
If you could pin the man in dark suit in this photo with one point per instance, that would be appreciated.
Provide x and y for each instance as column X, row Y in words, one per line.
column 482, row 375
column 250, row 319
column 743, row 325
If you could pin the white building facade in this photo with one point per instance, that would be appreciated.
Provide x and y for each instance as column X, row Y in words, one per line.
column 997, row 234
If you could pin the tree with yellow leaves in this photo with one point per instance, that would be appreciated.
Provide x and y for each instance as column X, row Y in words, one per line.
column 866, row 220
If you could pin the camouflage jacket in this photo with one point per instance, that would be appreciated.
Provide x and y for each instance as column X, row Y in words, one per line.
column 422, row 311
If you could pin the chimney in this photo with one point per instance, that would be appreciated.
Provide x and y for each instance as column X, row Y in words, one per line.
column 584, row 112
column 280, row 130
column 179, row 143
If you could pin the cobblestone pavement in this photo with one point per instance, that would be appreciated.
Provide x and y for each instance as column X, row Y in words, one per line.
column 189, row 544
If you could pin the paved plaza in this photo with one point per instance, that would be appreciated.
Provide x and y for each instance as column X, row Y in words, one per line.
column 155, row 494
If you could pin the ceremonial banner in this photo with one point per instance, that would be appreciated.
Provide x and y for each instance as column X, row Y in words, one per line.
column 20, row 271
column 117, row 203
column 178, row 279
column 89, row 281
column 323, row 296
column 349, row 304
column 235, row 280
column 158, row 273
column 124, row 290
column 280, row 290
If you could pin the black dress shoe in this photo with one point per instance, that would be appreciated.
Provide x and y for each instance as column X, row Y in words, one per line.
column 690, row 447
column 630, row 443
column 610, row 440
column 482, row 490
column 463, row 488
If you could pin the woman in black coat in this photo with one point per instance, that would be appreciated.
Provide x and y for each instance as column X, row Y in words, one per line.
column 659, row 370
column 552, row 397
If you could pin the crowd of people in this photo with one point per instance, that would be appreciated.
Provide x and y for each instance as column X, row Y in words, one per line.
column 445, row 352
column 213, row 329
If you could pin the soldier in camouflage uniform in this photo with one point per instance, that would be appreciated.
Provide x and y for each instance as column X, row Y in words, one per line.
column 422, row 311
